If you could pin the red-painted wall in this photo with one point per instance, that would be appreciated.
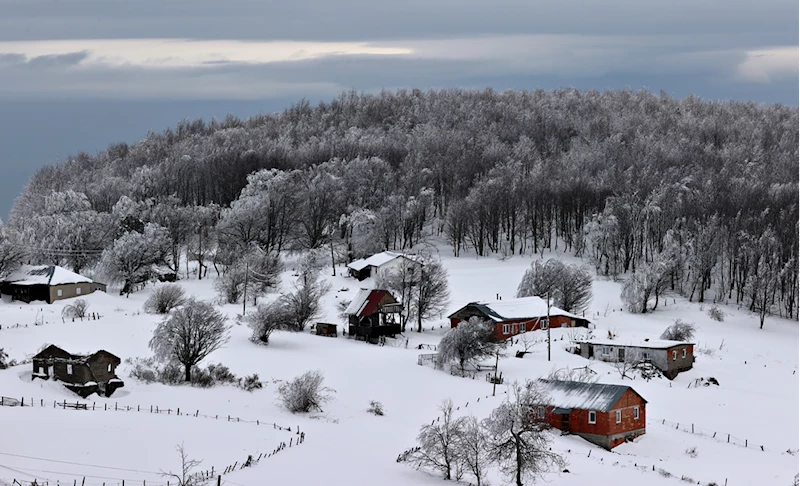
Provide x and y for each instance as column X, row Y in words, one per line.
column 530, row 325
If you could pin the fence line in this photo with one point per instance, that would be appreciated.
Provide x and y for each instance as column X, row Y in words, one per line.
column 724, row 437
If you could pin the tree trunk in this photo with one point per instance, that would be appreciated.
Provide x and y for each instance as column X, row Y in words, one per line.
column 188, row 373
column 519, row 461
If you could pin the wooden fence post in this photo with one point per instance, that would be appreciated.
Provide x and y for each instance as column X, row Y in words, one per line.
column 693, row 428
column 219, row 480
column 729, row 438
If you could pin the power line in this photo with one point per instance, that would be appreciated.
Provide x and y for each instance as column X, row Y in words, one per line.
column 80, row 475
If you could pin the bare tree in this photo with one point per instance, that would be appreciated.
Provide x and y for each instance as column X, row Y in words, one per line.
column 473, row 448
column 648, row 281
column 305, row 392
column 164, row 299
column 467, row 343
column 189, row 335
column 679, row 331
column 570, row 286
column 304, row 304
column 75, row 310
column 629, row 361
column 519, row 443
column 186, row 476
column 266, row 319
column 439, row 443
column 431, row 294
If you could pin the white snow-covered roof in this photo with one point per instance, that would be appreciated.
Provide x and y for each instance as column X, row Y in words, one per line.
column 45, row 275
column 358, row 302
column 377, row 260
column 521, row 308
column 584, row 396
column 649, row 344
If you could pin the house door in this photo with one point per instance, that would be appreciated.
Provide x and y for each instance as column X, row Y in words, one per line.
column 591, row 351
column 565, row 422
column 621, row 354
column 51, row 371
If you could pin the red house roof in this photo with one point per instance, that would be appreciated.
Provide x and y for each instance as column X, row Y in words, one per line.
column 367, row 301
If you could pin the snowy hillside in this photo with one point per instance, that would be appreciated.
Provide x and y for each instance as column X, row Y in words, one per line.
column 119, row 438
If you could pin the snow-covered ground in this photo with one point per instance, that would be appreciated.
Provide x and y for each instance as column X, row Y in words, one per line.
column 756, row 401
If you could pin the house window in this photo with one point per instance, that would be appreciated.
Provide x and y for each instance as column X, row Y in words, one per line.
column 635, row 413
column 645, row 355
column 78, row 290
column 69, row 369
column 41, row 370
column 621, row 354
column 674, row 355
column 58, row 292
column 592, row 417
column 572, row 323
column 606, row 350
column 683, row 353
column 545, row 324
column 619, row 416
column 506, row 328
column 109, row 367
column 540, row 412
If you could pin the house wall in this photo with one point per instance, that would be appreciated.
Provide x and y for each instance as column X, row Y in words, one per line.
column 389, row 266
column 69, row 290
column 661, row 358
column 98, row 364
column 675, row 366
column 80, row 371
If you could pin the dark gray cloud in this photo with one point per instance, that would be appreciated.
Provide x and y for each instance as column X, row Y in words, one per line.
column 57, row 60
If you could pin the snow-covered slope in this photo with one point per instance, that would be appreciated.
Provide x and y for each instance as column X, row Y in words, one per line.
column 756, row 401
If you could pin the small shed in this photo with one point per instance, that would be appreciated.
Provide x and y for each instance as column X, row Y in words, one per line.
column 372, row 314
column 326, row 329
column 515, row 316
column 671, row 357
column 82, row 374
column 604, row 414
column 48, row 283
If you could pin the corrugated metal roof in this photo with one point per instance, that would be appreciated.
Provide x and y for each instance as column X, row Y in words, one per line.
column 585, row 396
column 358, row 302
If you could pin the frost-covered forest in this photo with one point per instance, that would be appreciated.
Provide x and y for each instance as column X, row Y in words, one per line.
column 683, row 195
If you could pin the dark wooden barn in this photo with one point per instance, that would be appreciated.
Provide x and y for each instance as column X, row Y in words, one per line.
column 47, row 283
column 82, row 374
column 372, row 314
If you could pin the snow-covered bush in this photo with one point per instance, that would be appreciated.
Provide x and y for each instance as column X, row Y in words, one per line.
column 222, row 374
column 149, row 370
column 75, row 310
column 716, row 313
column 679, row 331
column 164, row 299
column 266, row 319
column 305, row 392
column 3, row 359
column 250, row 383
column 691, row 452
column 375, row 408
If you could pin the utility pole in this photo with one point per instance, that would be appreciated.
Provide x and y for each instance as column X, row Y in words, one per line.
column 496, row 362
column 548, row 326
column 244, row 299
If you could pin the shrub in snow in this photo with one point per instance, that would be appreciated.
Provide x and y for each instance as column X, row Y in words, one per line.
column 664, row 473
column 716, row 313
column 230, row 285
column 266, row 319
column 584, row 374
column 202, row 377
column 679, row 331
column 250, row 383
column 189, row 335
column 149, row 370
column 76, row 309
column 466, row 344
column 569, row 286
column 375, row 407
column 305, row 392
column 691, row 452
column 3, row 359
column 221, row 374
column 164, row 299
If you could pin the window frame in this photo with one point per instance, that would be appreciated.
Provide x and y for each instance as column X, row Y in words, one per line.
column 592, row 417
column 109, row 367
column 619, row 416
column 674, row 355
column 636, row 412
column 506, row 328
column 606, row 350
column 683, row 353
column 544, row 324
column 69, row 369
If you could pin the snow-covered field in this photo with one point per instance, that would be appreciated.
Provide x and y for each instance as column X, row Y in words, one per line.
column 756, row 401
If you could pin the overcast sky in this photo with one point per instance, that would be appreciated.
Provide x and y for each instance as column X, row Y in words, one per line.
column 79, row 74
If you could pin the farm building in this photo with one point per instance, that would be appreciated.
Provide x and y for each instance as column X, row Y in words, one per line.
column 378, row 264
column 372, row 314
column 83, row 374
column 48, row 283
column 606, row 415
column 671, row 357
column 514, row 316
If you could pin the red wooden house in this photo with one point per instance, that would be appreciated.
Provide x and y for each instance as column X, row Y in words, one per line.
column 606, row 415
column 515, row 316
column 373, row 314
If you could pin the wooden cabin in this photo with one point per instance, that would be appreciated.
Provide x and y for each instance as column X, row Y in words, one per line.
column 606, row 415
column 515, row 316
column 372, row 314
column 82, row 374
column 325, row 329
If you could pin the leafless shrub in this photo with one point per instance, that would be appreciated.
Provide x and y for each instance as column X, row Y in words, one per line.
column 679, row 331
column 716, row 314
column 250, row 383
column 164, row 299
column 375, row 408
column 76, row 310
column 186, row 476
column 691, row 452
column 305, row 392
column 583, row 374
column 664, row 473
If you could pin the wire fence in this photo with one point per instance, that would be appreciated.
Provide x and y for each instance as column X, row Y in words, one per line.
column 723, row 437
column 42, row 477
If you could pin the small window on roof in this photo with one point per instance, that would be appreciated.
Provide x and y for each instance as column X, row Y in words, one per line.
column 592, row 417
